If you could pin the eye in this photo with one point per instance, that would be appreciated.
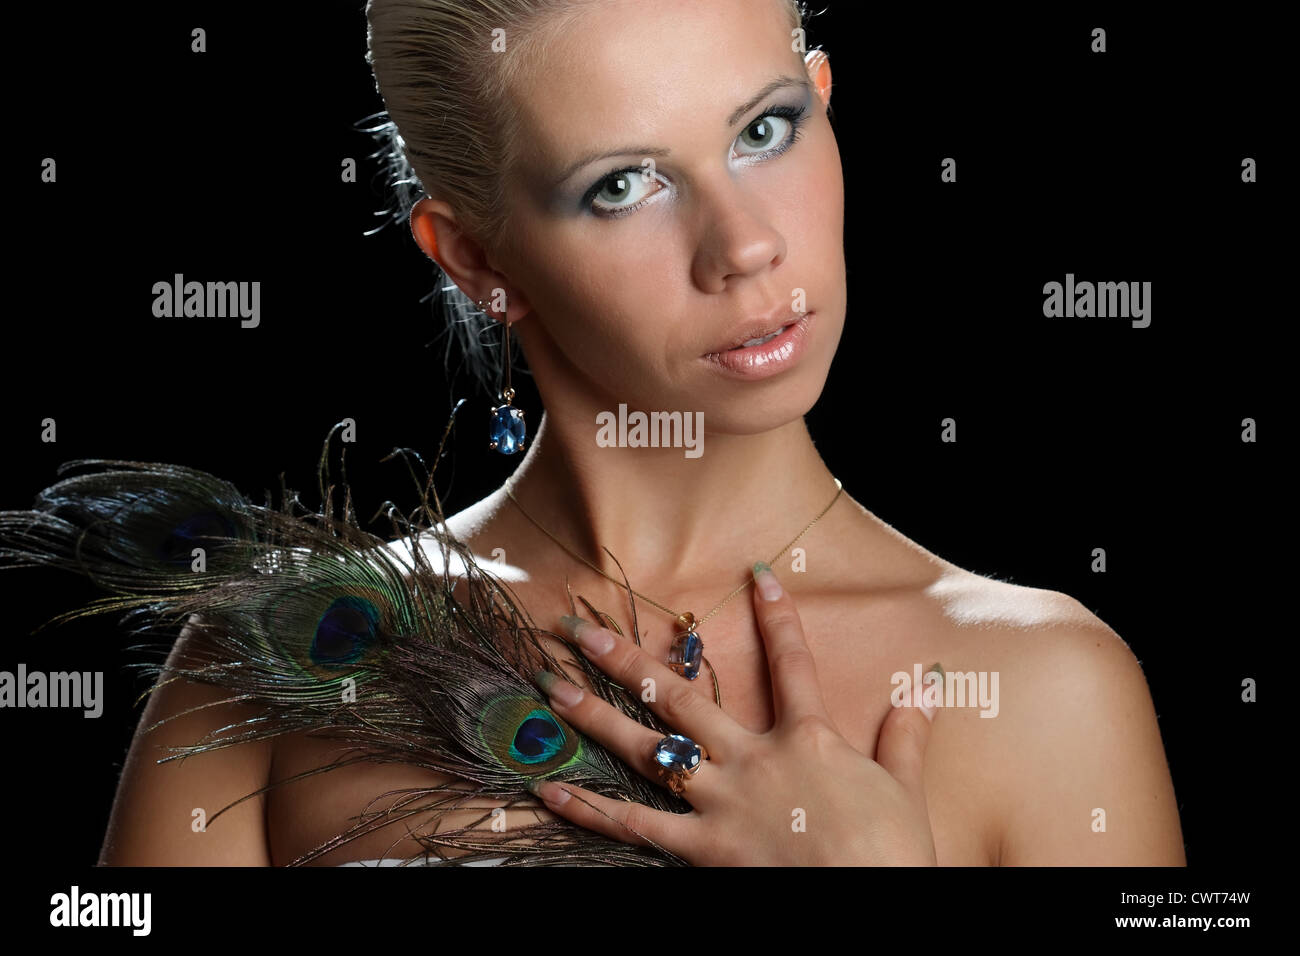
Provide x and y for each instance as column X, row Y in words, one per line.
column 765, row 132
column 625, row 190
column 774, row 132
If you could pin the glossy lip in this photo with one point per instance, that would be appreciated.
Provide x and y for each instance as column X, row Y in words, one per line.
column 771, row 358
column 774, row 321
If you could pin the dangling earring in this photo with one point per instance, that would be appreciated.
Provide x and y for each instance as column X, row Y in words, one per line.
column 506, row 428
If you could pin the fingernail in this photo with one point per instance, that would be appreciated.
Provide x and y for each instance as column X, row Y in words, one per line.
column 558, row 689
column 927, row 710
column 768, row 586
column 595, row 640
column 552, row 793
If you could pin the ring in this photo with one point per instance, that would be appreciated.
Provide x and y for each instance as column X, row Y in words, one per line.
column 677, row 759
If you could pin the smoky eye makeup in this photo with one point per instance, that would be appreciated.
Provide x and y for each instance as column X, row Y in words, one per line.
column 784, row 133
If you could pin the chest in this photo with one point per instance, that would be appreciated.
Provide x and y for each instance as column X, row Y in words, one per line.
column 856, row 648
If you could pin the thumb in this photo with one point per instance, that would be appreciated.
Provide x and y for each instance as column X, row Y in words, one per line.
column 905, row 733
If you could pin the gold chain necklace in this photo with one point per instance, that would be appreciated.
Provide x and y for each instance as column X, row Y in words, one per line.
column 687, row 651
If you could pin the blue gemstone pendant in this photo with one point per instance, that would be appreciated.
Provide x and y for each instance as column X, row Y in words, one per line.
column 506, row 429
column 687, row 649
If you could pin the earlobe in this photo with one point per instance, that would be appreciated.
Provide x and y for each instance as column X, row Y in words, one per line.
column 516, row 303
column 819, row 70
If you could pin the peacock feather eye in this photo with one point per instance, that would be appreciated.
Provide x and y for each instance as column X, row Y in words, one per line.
column 538, row 739
column 345, row 632
column 527, row 737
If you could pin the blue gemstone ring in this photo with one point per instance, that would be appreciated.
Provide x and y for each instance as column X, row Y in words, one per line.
column 677, row 759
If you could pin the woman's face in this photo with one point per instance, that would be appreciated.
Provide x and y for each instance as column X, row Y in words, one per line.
column 634, row 279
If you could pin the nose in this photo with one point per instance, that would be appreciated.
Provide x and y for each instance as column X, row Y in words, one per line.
column 738, row 240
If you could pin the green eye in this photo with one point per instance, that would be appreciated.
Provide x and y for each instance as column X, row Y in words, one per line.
column 766, row 131
column 622, row 185
column 615, row 190
column 626, row 190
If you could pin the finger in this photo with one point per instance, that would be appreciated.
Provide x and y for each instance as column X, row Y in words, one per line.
column 669, row 695
column 905, row 734
column 796, row 692
column 623, row 820
column 633, row 742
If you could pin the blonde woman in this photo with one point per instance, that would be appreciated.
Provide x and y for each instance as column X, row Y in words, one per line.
column 639, row 191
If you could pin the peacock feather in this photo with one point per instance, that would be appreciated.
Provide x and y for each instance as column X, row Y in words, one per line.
column 329, row 628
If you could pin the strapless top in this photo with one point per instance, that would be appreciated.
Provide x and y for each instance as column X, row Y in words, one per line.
column 391, row 861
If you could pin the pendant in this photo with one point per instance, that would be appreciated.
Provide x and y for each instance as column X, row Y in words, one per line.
column 687, row 649
column 507, row 430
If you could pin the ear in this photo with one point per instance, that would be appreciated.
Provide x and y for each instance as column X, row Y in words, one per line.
column 818, row 63
column 434, row 226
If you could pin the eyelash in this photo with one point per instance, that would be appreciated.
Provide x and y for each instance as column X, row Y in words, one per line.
column 795, row 114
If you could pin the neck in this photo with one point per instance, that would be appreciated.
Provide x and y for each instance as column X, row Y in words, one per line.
column 675, row 520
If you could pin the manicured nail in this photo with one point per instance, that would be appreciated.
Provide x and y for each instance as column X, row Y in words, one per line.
column 927, row 710
column 595, row 640
column 768, row 586
column 552, row 793
column 558, row 689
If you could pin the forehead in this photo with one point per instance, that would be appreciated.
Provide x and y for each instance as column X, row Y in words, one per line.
column 618, row 72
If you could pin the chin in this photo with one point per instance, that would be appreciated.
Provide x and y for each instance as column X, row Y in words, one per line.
column 778, row 402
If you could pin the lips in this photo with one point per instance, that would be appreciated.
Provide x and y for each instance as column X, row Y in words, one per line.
column 759, row 341
column 759, row 362
column 756, row 331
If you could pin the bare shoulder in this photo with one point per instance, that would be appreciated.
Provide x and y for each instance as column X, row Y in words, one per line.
column 469, row 527
column 1081, row 774
column 154, row 821
column 1036, row 636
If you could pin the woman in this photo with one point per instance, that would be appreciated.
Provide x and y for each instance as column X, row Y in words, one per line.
column 636, row 194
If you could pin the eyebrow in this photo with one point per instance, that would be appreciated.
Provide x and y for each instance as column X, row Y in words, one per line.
column 779, row 83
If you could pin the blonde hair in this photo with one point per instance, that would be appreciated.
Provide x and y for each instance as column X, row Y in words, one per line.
column 450, row 130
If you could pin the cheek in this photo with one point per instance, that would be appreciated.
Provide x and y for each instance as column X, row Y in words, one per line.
column 816, row 242
column 598, row 287
column 597, row 300
column 817, row 237
column 822, row 196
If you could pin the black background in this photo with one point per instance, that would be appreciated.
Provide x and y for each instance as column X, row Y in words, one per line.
column 1072, row 434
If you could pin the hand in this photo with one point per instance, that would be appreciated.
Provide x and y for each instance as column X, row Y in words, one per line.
column 750, row 797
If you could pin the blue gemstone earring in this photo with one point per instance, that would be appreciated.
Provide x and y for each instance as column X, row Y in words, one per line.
column 506, row 428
